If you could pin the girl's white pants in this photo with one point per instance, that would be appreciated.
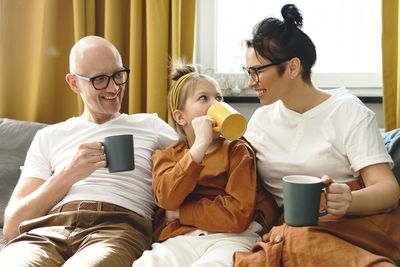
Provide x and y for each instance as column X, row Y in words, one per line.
column 199, row 248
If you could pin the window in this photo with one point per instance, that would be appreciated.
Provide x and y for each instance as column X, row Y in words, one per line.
column 347, row 36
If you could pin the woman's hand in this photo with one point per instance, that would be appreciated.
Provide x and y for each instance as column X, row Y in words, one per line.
column 338, row 197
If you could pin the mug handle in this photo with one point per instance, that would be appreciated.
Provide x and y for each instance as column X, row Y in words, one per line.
column 217, row 129
column 324, row 212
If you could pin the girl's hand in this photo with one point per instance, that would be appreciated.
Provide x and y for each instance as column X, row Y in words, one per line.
column 338, row 197
column 202, row 128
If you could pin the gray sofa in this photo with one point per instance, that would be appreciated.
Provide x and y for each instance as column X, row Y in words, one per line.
column 16, row 136
column 15, row 139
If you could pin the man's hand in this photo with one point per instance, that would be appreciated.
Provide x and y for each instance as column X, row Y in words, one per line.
column 89, row 157
column 338, row 197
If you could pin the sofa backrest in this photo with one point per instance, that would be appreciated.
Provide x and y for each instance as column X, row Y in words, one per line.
column 15, row 139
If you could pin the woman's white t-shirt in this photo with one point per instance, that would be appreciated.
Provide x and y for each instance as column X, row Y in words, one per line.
column 338, row 137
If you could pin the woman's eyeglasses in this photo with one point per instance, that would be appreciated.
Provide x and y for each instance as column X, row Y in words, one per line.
column 252, row 72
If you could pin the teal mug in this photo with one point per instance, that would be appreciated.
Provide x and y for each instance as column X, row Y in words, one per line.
column 301, row 200
column 119, row 152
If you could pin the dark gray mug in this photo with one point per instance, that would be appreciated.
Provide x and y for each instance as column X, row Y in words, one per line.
column 301, row 199
column 119, row 152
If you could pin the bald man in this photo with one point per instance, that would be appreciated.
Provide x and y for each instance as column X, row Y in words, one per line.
column 67, row 208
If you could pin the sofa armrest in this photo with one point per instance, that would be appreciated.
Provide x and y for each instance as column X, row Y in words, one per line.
column 16, row 137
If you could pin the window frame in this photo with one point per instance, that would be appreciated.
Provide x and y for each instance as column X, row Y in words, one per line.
column 362, row 84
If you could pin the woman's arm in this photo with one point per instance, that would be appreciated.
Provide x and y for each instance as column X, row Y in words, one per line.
column 381, row 193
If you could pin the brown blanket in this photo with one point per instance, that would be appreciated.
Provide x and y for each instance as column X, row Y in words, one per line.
column 336, row 241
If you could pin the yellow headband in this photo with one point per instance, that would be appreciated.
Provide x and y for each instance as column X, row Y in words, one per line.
column 176, row 91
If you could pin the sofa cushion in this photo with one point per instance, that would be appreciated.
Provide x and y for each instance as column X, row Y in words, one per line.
column 16, row 137
column 2, row 241
column 392, row 143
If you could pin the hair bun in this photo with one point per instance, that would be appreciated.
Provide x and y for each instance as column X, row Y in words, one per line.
column 179, row 68
column 292, row 15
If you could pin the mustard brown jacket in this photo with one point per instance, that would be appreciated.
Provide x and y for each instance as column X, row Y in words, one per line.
column 217, row 195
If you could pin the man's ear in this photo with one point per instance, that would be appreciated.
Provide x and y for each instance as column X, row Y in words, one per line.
column 72, row 81
column 294, row 67
column 178, row 117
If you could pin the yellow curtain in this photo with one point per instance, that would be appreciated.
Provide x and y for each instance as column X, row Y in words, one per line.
column 391, row 63
column 36, row 37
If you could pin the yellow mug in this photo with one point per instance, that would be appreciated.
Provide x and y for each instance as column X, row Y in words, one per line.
column 230, row 123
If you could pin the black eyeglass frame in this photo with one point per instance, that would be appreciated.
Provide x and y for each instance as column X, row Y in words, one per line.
column 257, row 69
column 92, row 79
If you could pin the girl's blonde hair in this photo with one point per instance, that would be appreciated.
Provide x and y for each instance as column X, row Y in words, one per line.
column 178, row 71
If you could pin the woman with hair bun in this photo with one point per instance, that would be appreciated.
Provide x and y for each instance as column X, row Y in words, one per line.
column 331, row 134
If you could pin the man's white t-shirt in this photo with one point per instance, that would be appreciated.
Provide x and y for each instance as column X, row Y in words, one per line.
column 338, row 138
column 54, row 147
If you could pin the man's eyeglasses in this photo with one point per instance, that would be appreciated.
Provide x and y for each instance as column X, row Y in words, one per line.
column 101, row 82
column 252, row 72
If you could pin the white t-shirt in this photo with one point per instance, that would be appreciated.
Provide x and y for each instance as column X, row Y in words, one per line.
column 338, row 138
column 54, row 147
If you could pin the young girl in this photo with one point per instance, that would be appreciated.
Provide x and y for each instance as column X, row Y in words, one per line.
column 206, row 184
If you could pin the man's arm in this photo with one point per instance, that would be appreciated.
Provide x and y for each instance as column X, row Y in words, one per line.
column 34, row 197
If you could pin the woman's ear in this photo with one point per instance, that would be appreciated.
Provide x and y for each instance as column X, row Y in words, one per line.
column 71, row 80
column 294, row 67
column 178, row 117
